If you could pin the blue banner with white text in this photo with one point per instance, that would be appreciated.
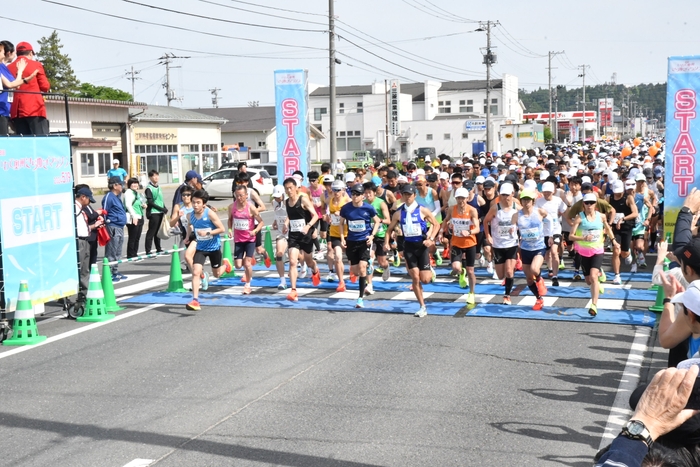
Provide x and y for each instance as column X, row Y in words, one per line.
column 292, row 120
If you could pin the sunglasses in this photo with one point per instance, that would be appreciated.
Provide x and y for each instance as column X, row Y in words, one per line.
column 358, row 194
column 588, row 203
column 186, row 194
column 313, row 180
column 456, row 183
column 336, row 191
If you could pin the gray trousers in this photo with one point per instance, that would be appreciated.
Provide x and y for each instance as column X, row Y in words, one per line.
column 113, row 250
column 84, row 266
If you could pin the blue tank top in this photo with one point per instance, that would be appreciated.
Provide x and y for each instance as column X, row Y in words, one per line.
column 426, row 201
column 416, row 231
column 531, row 232
column 202, row 230
column 475, row 204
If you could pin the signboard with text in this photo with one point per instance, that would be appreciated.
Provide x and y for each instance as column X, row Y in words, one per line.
column 682, row 135
column 395, row 107
column 605, row 111
column 37, row 213
column 475, row 125
column 292, row 118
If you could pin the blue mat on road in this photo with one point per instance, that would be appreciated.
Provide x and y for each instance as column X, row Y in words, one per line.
column 452, row 288
column 636, row 318
column 480, row 272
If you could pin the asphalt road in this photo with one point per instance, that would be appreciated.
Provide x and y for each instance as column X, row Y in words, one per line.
column 253, row 387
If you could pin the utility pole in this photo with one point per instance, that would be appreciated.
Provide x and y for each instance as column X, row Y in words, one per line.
column 555, row 133
column 549, row 68
column 166, row 60
column 386, row 117
column 489, row 59
column 583, row 101
column 215, row 97
column 331, row 83
column 131, row 75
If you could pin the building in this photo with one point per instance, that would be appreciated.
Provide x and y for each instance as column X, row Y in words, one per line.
column 568, row 124
column 449, row 116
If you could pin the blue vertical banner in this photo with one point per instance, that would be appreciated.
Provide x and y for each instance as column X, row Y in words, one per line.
column 292, row 120
column 682, row 135
column 37, row 223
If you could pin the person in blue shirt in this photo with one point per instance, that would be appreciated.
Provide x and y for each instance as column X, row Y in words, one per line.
column 117, row 171
column 116, row 220
column 363, row 224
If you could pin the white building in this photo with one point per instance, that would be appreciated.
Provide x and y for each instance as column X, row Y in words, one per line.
column 448, row 116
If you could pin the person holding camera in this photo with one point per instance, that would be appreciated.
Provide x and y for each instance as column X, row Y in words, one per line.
column 116, row 220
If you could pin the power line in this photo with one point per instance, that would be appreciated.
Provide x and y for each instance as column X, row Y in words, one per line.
column 374, row 67
column 430, row 12
column 228, row 21
column 504, row 43
column 513, row 40
column 261, row 13
column 451, row 14
column 279, row 9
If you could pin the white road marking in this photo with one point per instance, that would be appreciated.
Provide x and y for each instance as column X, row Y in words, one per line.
column 479, row 298
column 139, row 463
column 529, row 300
column 136, row 288
column 619, row 412
column 410, row 295
column 610, row 303
column 348, row 294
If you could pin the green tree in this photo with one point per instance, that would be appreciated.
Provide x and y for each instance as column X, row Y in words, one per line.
column 547, row 135
column 57, row 65
column 102, row 92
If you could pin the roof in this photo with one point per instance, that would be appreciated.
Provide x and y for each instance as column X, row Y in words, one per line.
column 242, row 119
column 161, row 113
column 105, row 102
column 416, row 90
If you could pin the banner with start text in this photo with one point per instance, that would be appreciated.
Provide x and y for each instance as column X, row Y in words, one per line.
column 292, row 119
column 37, row 225
column 682, row 135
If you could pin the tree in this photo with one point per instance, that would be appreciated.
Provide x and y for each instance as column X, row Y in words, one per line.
column 547, row 135
column 57, row 65
column 102, row 92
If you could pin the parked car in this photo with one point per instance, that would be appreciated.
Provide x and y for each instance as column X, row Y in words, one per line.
column 270, row 168
column 219, row 184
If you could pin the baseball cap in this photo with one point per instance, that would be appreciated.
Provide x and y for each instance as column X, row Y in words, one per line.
column 402, row 179
column 590, row 197
column 23, row 47
column 586, row 186
column 618, row 186
column 469, row 184
column 585, row 179
column 527, row 194
column 640, row 178
column 630, row 185
column 461, row 193
column 489, row 183
column 298, row 178
column 115, row 180
column 479, row 179
column 530, row 185
column 357, row 188
column 115, row 161
column 427, row 159
column 444, row 176
column 190, row 175
column 689, row 254
column 544, row 174
column 431, row 177
column 338, row 185
column 350, row 177
column 690, row 298
column 327, row 179
column 548, row 186
column 408, row 189
column 87, row 192
column 445, row 162
column 506, row 189
column 278, row 191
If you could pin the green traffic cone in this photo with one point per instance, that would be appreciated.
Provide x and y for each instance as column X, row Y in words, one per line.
column 227, row 255
column 268, row 244
column 175, row 283
column 108, row 288
column 24, row 330
column 658, row 306
column 95, row 309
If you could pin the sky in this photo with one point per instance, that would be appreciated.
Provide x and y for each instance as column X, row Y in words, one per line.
column 235, row 45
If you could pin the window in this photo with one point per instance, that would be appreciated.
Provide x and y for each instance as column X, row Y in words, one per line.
column 92, row 164
column 354, row 144
column 104, row 162
column 349, row 140
column 340, row 144
column 447, row 136
column 341, row 133
column 357, row 133
column 428, row 137
column 494, row 110
column 465, row 135
column 341, row 108
column 318, row 111
column 468, row 108
column 461, row 102
column 494, row 101
column 87, row 163
column 160, row 156
column 261, row 144
column 360, row 107
column 444, row 107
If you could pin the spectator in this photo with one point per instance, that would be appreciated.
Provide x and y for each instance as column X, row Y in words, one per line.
column 83, row 197
column 28, row 111
column 117, row 171
column 339, row 167
column 94, row 220
column 192, row 179
column 155, row 211
column 242, row 167
column 116, row 219
column 135, row 204
column 7, row 55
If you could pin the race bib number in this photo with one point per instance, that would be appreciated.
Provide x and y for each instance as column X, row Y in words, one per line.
column 530, row 234
column 316, row 201
column 357, row 226
column 335, row 220
column 595, row 235
column 280, row 222
column 296, row 225
column 411, row 230
column 203, row 234
column 241, row 224
column 618, row 217
column 10, row 97
column 505, row 231
column 458, row 225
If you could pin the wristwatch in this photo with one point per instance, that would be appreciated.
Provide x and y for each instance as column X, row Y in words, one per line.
column 634, row 429
column 687, row 210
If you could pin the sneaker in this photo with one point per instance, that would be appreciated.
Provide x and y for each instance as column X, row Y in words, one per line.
column 205, row 280
column 341, row 287
column 353, row 278
column 324, row 247
column 495, row 276
column 506, row 300
column 115, row 278
column 628, row 260
column 463, row 279
column 555, row 281
column 538, row 304
column 471, row 298
column 397, row 259
column 438, row 259
column 432, row 262
column 193, row 305
column 482, row 261
column 227, row 265
column 331, row 277
column 561, row 265
column 316, row 278
column 122, row 276
column 641, row 260
column 633, row 269
column 601, row 288
column 518, row 264
column 246, row 289
column 282, row 286
column 577, row 276
column 602, row 277
column 617, row 280
column 360, row 303
column 541, row 288
column 268, row 262
column 369, row 290
column 386, row 274
column 319, row 256
column 550, row 273
column 370, row 267
column 446, row 252
column 422, row 312
column 243, row 279
column 292, row 296
column 593, row 310
column 643, row 265
column 304, row 271
column 433, row 276
column 489, row 268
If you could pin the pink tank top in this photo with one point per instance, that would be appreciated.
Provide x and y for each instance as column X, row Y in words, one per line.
column 316, row 199
column 242, row 224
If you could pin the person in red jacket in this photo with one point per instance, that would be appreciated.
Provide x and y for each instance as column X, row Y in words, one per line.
column 28, row 112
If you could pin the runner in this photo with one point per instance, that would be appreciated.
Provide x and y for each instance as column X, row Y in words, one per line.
column 359, row 217
column 530, row 221
column 316, row 194
column 588, row 231
column 280, row 210
column 417, row 240
column 488, row 194
column 555, row 207
column 427, row 197
column 462, row 221
column 246, row 223
column 180, row 219
column 383, row 212
column 301, row 218
column 502, row 234
column 642, row 199
column 206, row 227
column 335, row 253
column 623, row 223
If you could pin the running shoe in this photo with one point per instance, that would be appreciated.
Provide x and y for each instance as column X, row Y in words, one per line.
column 253, row 260
column 641, row 260
column 353, row 277
column 369, row 290
column 115, row 278
column 555, row 281
column 577, row 276
column 397, row 259
column 316, row 278
column 628, row 260
column 518, row 264
column 561, row 265
column 422, row 312
column 495, row 276
column 432, row 262
column 304, row 271
column 386, row 274
column 446, row 252
column 602, row 277
column 268, row 261
column 243, row 278
column 331, row 277
column 489, row 267
column 227, row 265
column 506, row 300
column 471, row 298
column 205, row 280
column 324, row 246
column 293, row 296
column 282, row 286
column 633, row 269
column 341, row 287
column 541, row 288
column 123, row 277
column 482, row 261
column 601, row 288
column 617, row 280
column 360, row 303
column 463, row 279
column 319, row 256
column 539, row 303
column 438, row 259
column 193, row 305
column 593, row 310
column 433, row 276
column 246, row 289
column 370, row 267
column 643, row 265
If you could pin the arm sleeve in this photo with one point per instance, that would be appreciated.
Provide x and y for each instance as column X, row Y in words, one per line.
column 624, row 452
column 681, row 233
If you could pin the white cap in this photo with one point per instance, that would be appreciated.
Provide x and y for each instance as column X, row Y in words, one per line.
column 402, row 179
column 531, row 165
column 512, row 167
column 338, row 185
column 597, row 170
column 419, row 172
column 350, row 177
column 482, row 161
column 585, row 179
column 612, row 177
column 629, row 185
column 468, row 165
column 427, row 159
column 480, row 179
column 530, row 185
column 640, row 177
column 461, row 192
column 573, row 172
column 298, row 178
column 444, row 176
column 115, row 161
column 618, row 186
column 506, row 189
column 690, row 298
column 548, row 186
column 445, row 162
column 501, row 177
column 543, row 175
column 590, row 197
column 278, row 191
